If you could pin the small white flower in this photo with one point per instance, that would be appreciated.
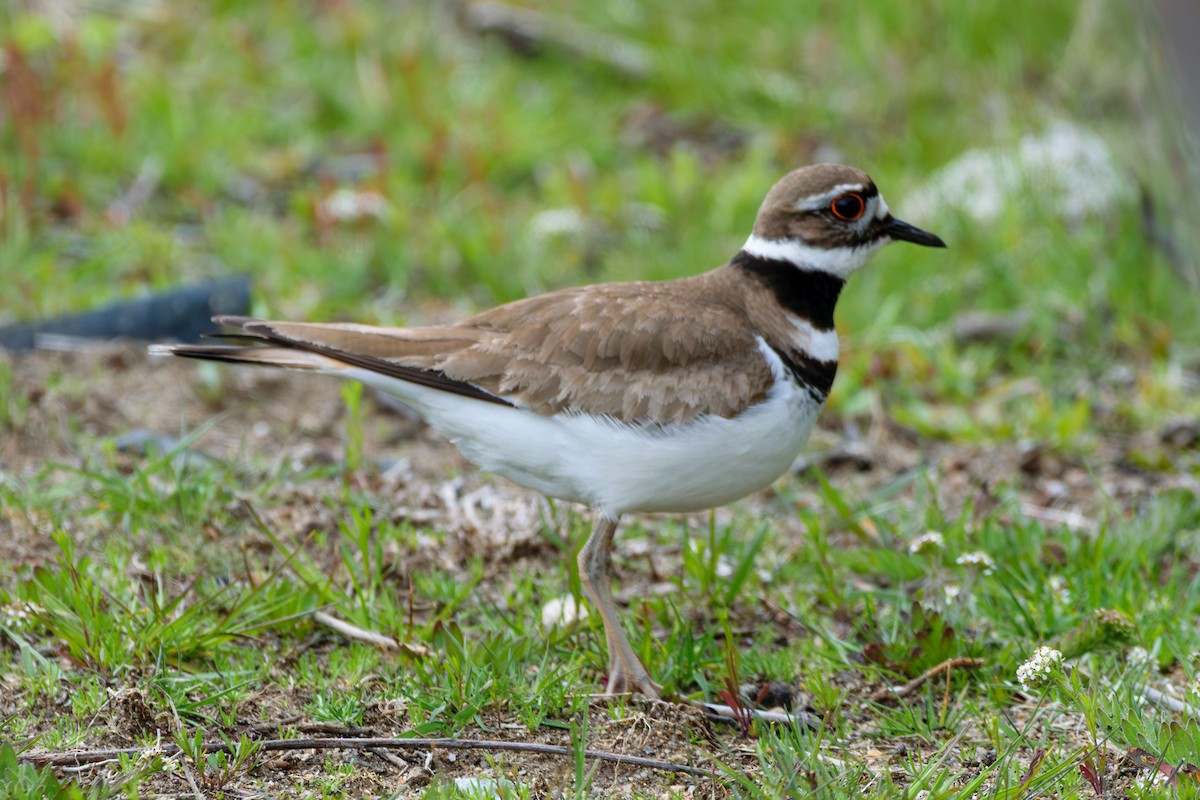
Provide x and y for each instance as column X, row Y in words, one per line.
column 927, row 542
column 1150, row 779
column 1058, row 587
column 1138, row 656
column 20, row 615
column 1035, row 673
column 977, row 559
column 951, row 591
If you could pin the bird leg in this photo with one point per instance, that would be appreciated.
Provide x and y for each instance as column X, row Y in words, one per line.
column 626, row 672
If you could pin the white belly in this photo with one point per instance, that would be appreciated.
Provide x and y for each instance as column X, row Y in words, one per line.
column 617, row 468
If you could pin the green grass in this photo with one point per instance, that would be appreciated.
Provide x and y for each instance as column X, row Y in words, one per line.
column 156, row 600
column 201, row 655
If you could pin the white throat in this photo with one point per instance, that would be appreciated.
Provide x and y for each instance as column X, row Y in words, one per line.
column 840, row 262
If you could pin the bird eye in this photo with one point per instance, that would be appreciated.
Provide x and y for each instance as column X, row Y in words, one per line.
column 848, row 207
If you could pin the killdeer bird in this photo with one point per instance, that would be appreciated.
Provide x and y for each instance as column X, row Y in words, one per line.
column 673, row 396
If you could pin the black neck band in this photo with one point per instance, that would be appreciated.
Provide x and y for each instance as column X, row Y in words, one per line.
column 807, row 293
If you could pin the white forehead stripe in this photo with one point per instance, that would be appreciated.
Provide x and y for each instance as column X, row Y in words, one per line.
column 837, row 261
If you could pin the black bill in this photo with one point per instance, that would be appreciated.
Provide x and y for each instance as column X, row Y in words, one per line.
column 903, row 232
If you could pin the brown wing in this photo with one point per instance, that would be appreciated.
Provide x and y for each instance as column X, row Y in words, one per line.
column 638, row 352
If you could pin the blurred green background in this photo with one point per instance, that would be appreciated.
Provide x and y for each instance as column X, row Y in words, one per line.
column 360, row 159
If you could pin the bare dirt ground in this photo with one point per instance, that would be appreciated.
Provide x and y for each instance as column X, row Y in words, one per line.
column 68, row 402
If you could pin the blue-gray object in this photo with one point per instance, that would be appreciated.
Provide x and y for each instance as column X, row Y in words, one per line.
column 182, row 315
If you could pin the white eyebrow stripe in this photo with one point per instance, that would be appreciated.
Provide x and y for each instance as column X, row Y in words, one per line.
column 821, row 201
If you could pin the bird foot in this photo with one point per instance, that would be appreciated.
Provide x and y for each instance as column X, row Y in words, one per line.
column 626, row 676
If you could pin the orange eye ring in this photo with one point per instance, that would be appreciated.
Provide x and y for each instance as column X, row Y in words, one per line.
column 848, row 207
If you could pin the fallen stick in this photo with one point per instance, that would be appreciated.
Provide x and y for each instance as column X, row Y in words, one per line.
column 351, row 631
column 717, row 711
column 79, row 757
column 891, row 692
column 1168, row 702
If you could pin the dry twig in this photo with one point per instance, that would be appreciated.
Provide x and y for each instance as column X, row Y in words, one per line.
column 1168, row 702
column 717, row 711
column 892, row 692
column 351, row 631
column 78, row 757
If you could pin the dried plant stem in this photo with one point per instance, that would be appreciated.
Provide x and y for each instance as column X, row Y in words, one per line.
column 890, row 692
column 78, row 757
